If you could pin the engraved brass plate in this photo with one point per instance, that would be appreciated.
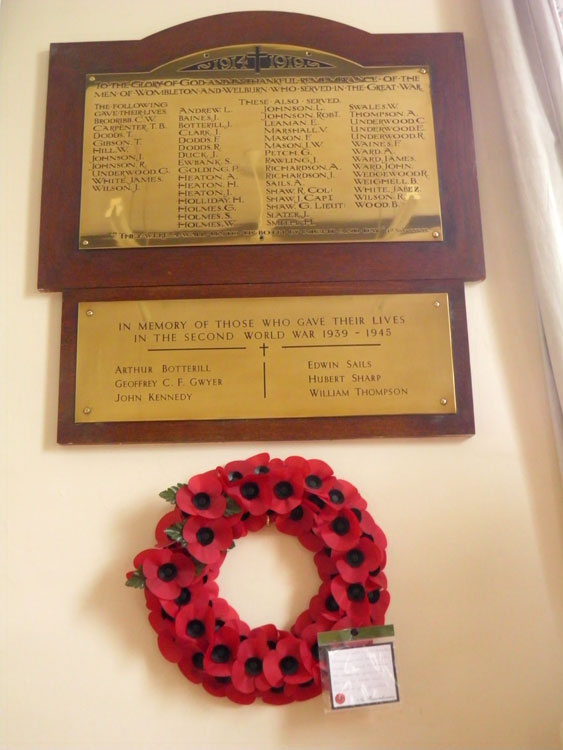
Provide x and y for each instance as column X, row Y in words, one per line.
column 243, row 358
column 259, row 145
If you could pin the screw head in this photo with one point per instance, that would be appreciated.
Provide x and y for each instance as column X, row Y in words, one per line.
column 87, row 410
column 91, row 78
column 423, row 70
column 436, row 234
column 84, row 242
column 436, row 303
column 89, row 313
column 443, row 401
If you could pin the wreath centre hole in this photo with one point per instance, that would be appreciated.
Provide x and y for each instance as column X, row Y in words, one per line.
column 269, row 577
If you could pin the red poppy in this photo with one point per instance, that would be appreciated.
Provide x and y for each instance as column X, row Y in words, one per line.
column 159, row 618
column 342, row 532
column 202, row 496
column 191, row 663
column 324, row 605
column 315, row 472
column 287, row 486
column 223, row 687
column 352, row 598
column 290, row 662
column 196, row 622
column 197, row 591
column 298, row 521
column 221, row 651
column 167, row 520
column 378, row 602
column 253, row 493
column 244, row 522
column 310, row 637
column 355, row 564
column 207, row 538
column 301, row 623
column 248, row 672
column 279, row 696
column 325, row 563
column 236, row 470
column 309, row 689
column 167, row 572
column 338, row 494
column 311, row 541
column 372, row 530
column 170, row 647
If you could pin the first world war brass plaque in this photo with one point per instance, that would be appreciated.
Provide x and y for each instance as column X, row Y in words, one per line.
column 260, row 358
column 259, row 144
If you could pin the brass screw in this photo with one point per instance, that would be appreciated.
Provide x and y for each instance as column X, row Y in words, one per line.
column 436, row 303
column 89, row 313
column 423, row 70
column 436, row 234
column 92, row 78
column 84, row 242
column 86, row 410
column 206, row 54
column 308, row 53
column 443, row 401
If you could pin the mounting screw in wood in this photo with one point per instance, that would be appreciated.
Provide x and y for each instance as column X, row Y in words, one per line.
column 436, row 234
column 87, row 410
column 443, row 401
column 89, row 313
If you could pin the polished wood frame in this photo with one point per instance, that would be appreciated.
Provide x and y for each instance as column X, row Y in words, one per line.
column 311, row 428
column 62, row 265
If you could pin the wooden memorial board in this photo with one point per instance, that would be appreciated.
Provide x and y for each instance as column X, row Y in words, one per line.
column 258, row 147
column 236, row 363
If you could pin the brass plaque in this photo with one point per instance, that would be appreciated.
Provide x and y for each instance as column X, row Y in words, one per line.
column 267, row 357
column 259, row 144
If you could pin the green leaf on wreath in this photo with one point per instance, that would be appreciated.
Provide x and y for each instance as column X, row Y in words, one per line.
column 199, row 566
column 176, row 533
column 170, row 494
column 232, row 508
column 137, row 580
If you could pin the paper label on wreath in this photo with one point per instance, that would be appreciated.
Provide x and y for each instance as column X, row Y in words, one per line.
column 363, row 675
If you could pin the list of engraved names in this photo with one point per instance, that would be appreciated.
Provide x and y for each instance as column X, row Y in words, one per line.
column 226, row 160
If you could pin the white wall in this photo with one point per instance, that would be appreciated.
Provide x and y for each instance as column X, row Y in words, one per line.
column 474, row 525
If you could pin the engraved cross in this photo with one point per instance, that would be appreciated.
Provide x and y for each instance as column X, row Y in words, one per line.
column 258, row 57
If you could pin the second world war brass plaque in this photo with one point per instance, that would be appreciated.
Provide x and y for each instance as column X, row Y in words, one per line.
column 259, row 144
column 260, row 358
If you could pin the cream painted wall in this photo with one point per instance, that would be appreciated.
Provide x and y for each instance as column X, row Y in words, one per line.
column 474, row 525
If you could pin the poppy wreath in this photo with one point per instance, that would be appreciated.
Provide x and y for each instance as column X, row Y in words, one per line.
column 201, row 632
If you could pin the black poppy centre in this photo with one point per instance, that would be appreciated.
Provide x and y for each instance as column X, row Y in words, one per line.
column 341, row 526
column 289, row 665
column 167, row 572
column 355, row 558
column 220, row 654
column 205, row 536
column 250, row 490
column 336, row 497
column 283, row 490
column 202, row 501
column 253, row 666
column 195, row 628
column 356, row 592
